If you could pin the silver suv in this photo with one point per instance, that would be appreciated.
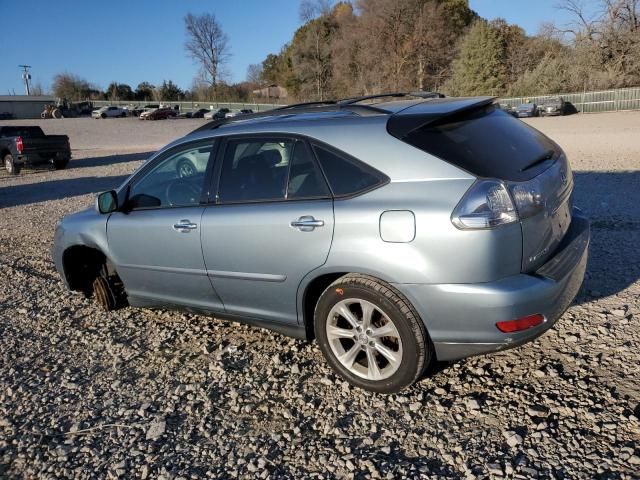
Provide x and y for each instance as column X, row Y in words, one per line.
column 394, row 230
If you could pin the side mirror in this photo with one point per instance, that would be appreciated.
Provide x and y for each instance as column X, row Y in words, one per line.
column 107, row 202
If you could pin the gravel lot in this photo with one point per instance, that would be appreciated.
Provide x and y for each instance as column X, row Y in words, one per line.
column 157, row 394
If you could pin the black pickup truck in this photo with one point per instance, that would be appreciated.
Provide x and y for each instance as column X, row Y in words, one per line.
column 29, row 145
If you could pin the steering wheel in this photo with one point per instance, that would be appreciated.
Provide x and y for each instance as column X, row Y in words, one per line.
column 182, row 192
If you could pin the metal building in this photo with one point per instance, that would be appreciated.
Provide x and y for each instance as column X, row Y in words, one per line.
column 24, row 106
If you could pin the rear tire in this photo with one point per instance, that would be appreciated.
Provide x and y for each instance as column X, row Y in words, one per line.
column 371, row 335
column 10, row 165
column 60, row 164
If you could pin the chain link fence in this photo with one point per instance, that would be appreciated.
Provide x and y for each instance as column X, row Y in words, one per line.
column 589, row 102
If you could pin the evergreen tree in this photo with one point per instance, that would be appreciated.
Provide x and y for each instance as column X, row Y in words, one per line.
column 481, row 67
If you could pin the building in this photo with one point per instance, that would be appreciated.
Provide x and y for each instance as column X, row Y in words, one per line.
column 272, row 91
column 25, row 106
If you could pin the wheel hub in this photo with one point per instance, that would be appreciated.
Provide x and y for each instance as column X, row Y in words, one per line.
column 364, row 339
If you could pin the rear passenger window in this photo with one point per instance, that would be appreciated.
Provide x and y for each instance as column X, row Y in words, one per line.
column 255, row 169
column 305, row 179
column 346, row 176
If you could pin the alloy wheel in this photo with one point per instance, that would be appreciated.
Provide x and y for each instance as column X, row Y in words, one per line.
column 364, row 339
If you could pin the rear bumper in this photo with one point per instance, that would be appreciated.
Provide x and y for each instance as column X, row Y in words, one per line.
column 38, row 158
column 461, row 318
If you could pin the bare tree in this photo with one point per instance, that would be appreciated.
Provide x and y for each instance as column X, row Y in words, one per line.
column 208, row 45
column 314, row 14
column 582, row 22
column 254, row 73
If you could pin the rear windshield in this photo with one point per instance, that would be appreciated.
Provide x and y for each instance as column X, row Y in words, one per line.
column 27, row 132
column 487, row 142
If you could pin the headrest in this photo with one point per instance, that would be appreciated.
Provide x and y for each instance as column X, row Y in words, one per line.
column 271, row 157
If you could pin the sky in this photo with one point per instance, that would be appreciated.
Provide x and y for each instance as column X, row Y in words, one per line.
column 130, row 41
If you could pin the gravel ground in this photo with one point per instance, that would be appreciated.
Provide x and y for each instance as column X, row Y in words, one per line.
column 158, row 394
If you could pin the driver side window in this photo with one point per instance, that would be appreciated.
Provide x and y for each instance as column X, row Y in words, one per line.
column 176, row 181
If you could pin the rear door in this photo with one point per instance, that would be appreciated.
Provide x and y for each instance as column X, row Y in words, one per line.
column 271, row 223
column 155, row 242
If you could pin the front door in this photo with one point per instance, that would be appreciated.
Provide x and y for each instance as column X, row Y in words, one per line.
column 155, row 241
column 271, row 225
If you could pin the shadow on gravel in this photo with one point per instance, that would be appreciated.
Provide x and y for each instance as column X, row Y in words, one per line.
column 26, row 194
column 109, row 160
column 611, row 201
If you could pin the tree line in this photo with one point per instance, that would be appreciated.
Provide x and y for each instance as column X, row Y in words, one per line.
column 364, row 47
column 371, row 46
column 73, row 87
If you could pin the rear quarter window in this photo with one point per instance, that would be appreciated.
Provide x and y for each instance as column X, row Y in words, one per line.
column 486, row 142
column 346, row 175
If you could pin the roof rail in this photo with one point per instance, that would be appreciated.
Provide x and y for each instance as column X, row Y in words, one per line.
column 351, row 101
column 312, row 107
column 306, row 104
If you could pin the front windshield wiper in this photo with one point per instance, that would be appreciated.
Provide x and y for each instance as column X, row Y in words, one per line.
column 548, row 155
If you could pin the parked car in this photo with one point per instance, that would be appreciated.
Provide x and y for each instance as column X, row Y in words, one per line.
column 527, row 110
column 507, row 108
column 217, row 115
column 200, row 113
column 552, row 106
column 196, row 114
column 239, row 112
column 158, row 114
column 109, row 112
column 24, row 145
column 135, row 110
column 466, row 243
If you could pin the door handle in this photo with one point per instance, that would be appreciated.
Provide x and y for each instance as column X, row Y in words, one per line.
column 185, row 226
column 307, row 223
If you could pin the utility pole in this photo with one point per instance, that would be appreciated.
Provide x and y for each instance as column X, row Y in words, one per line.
column 26, row 76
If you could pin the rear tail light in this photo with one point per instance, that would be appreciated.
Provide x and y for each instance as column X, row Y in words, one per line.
column 511, row 326
column 19, row 145
column 487, row 204
column 528, row 198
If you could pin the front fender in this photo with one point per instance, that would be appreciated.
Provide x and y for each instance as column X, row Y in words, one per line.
column 86, row 228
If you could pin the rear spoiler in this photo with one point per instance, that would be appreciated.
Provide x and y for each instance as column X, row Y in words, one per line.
column 402, row 123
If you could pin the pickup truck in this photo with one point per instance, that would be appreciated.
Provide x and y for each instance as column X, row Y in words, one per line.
column 20, row 146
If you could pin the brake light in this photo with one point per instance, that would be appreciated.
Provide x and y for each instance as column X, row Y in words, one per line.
column 487, row 204
column 510, row 326
column 19, row 145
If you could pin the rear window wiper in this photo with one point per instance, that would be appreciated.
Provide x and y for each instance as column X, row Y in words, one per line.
column 548, row 155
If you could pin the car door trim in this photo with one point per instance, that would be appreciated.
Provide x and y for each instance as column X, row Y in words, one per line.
column 262, row 277
column 152, row 268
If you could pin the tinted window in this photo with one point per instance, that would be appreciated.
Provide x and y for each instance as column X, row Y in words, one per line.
column 175, row 181
column 486, row 142
column 305, row 178
column 33, row 132
column 255, row 169
column 345, row 176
